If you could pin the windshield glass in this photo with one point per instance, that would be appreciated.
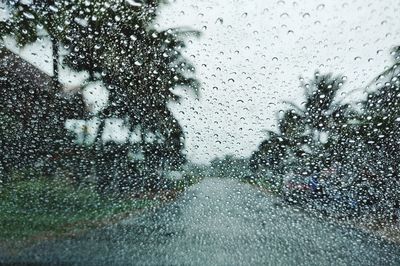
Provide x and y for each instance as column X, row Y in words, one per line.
column 199, row 132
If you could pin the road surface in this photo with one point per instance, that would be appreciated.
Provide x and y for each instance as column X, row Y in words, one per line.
column 218, row 222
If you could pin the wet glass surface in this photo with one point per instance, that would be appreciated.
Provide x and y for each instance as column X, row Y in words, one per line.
column 180, row 132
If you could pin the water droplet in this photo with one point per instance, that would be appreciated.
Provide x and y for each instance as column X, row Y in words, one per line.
column 28, row 15
column 284, row 15
column 219, row 21
column 133, row 3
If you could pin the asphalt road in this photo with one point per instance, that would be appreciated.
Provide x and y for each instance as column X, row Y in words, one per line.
column 218, row 222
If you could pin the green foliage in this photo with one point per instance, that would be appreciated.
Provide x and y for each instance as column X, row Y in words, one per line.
column 356, row 144
column 272, row 185
column 36, row 207
column 301, row 129
column 378, row 124
column 140, row 66
column 188, row 181
column 229, row 166
column 46, row 196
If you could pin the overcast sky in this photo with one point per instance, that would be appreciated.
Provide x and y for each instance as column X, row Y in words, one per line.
column 252, row 53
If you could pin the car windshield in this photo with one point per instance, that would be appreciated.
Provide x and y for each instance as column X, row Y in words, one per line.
column 199, row 132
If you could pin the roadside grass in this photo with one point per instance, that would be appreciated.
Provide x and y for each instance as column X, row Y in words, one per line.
column 264, row 184
column 47, row 209
column 188, row 181
column 37, row 209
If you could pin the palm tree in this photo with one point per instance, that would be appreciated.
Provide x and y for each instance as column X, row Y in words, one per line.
column 271, row 155
column 323, row 119
column 391, row 72
column 299, row 140
column 379, row 120
column 140, row 67
column 138, row 64
column 29, row 21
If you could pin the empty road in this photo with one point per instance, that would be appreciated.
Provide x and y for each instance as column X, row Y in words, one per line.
column 218, row 222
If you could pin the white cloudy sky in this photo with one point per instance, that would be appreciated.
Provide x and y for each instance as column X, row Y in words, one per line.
column 252, row 53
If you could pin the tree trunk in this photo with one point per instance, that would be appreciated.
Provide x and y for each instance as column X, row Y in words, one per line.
column 142, row 137
column 91, row 67
column 56, row 57
column 103, row 181
column 99, row 136
column 91, row 74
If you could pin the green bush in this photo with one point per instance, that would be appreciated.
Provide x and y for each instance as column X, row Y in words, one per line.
column 41, row 206
column 48, row 196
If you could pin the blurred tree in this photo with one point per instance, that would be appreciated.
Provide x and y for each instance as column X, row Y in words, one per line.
column 30, row 20
column 380, row 114
column 379, row 130
column 311, row 135
column 140, row 66
column 116, row 43
column 364, row 142
column 323, row 118
column 271, row 155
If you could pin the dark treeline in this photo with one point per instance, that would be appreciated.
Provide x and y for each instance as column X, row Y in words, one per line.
column 229, row 166
column 351, row 149
column 115, row 43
